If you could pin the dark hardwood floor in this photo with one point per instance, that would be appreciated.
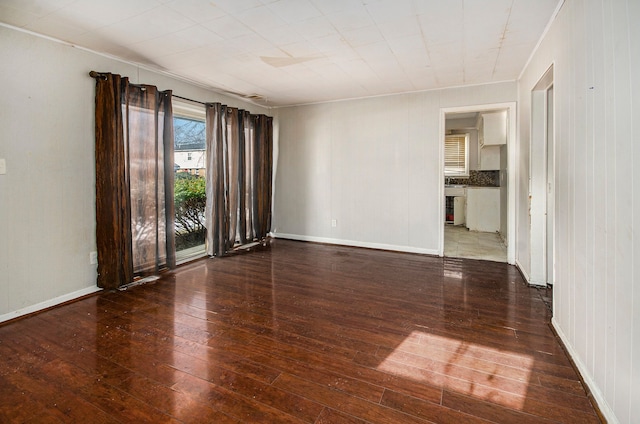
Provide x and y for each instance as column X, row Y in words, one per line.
column 298, row 333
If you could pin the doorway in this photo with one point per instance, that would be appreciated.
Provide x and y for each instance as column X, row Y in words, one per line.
column 477, row 212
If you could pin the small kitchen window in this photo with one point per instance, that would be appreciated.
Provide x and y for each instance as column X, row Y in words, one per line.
column 456, row 155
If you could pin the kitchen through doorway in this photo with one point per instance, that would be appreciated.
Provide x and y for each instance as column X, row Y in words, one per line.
column 476, row 183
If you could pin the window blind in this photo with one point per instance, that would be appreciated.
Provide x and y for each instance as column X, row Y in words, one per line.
column 455, row 155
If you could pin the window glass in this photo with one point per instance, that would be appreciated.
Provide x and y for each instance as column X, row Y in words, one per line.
column 190, row 169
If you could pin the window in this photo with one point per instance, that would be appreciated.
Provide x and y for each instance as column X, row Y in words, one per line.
column 189, row 165
column 456, row 155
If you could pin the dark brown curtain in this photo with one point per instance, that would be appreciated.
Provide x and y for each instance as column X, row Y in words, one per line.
column 113, row 204
column 239, row 166
column 134, row 194
column 263, row 168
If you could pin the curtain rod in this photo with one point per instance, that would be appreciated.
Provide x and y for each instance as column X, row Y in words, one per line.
column 102, row 75
column 94, row 74
column 190, row 100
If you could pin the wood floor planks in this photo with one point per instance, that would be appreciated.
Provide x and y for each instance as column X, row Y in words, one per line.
column 298, row 332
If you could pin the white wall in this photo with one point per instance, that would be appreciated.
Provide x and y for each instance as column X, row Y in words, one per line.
column 593, row 45
column 371, row 164
column 47, row 197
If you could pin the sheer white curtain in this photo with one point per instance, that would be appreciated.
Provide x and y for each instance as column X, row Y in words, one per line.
column 134, row 194
column 239, row 171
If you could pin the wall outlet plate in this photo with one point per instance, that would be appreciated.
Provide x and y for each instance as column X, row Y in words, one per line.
column 93, row 258
column 3, row 166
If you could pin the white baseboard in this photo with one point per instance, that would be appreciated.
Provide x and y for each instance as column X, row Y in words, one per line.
column 606, row 411
column 48, row 303
column 523, row 272
column 527, row 277
column 380, row 246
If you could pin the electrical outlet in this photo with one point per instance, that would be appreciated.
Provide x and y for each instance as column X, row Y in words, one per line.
column 93, row 258
column 334, row 223
column 3, row 166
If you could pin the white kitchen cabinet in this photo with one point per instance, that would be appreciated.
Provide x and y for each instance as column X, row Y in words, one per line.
column 483, row 209
column 489, row 158
column 492, row 128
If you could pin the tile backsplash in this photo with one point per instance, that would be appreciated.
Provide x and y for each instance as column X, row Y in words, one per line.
column 479, row 179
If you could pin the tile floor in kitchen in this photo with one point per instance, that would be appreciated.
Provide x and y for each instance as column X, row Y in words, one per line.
column 462, row 243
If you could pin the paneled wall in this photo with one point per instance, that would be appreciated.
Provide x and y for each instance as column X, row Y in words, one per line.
column 47, row 197
column 593, row 46
column 372, row 165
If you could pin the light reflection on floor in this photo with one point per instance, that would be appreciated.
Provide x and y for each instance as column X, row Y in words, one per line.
column 466, row 368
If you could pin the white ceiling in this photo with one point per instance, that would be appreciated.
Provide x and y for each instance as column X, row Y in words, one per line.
column 288, row 52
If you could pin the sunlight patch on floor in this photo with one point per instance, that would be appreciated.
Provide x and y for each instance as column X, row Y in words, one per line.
column 471, row 369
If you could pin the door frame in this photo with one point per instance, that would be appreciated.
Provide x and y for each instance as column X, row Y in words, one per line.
column 550, row 145
column 511, row 167
column 540, row 148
